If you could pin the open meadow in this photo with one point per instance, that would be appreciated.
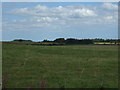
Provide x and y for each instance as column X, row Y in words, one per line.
column 72, row 66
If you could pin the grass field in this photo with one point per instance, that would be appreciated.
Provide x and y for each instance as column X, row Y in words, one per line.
column 77, row 66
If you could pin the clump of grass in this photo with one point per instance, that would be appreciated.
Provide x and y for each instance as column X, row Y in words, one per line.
column 5, row 81
column 43, row 84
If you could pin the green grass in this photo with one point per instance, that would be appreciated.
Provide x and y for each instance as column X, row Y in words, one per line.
column 78, row 66
column 0, row 65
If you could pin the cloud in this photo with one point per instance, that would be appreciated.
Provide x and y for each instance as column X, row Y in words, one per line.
column 21, row 11
column 42, row 8
column 59, row 11
column 109, row 17
column 83, row 12
column 65, row 16
column 47, row 19
column 110, row 6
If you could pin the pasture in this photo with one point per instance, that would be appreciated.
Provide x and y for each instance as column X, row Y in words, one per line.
column 72, row 66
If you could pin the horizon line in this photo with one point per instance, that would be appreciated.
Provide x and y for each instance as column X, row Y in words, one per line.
column 60, row 37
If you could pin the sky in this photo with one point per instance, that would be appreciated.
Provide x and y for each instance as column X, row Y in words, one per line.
column 38, row 21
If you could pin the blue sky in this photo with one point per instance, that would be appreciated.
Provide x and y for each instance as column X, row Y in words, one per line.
column 50, row 20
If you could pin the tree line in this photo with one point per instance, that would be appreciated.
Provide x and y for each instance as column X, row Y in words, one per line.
column 70, row 41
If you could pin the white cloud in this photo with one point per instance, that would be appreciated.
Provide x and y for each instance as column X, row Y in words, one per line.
column 21, row 20
column 40, row 25
column 109, row 17
column 39, row 7
column 110, row 6
column 48, row 19
column 20, row 11
column 56, row 11
column 43, row 16
column 60, row 8
column 83, row 12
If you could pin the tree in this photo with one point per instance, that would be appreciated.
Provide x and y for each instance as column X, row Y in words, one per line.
column 60, row 40
column 21, row 40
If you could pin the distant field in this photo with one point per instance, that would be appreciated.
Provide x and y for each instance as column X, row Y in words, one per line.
column 106, row 43
column 77, row 66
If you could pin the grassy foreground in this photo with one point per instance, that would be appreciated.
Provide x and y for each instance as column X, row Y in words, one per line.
column 78, row 66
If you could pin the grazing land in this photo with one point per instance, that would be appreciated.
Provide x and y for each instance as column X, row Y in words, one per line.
column 71, row 66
